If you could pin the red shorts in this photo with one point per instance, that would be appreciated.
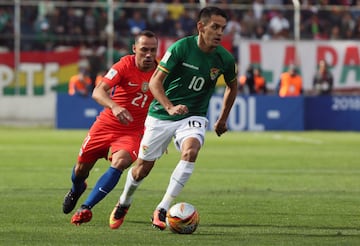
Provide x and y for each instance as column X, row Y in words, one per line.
column 101, row 139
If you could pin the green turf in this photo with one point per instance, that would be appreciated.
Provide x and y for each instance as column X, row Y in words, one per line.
column 270, row 188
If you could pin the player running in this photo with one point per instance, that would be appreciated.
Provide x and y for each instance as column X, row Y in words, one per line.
column 182, row 86
column 118, row 128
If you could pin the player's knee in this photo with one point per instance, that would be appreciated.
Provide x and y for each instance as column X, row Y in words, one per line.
column 189, row 154
column 83, row 169
column 141, row 170
column 121, row 163
column 121, row 160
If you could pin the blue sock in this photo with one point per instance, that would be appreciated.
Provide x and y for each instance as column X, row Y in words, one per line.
column 78, row 182
column 104, row 185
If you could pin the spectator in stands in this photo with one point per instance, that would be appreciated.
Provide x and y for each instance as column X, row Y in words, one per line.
column 71, row 26
column 356, row 31
column 176, row 9
column 290, row 83
column 250, row 21
column 260, row 82
column 187, row 22
column 323, row 79
column 261, row 28
column 347, row 25
column 178, row 31
column 80, row 84
column 5, row 20
column 136, row 23
column 258, row 8
column 45, row 8
column 121, row 27
column 44, row 39
column 74, row 26
column 279, row 26
column 156, row 14
column 233, row 25
column 56, row 21
column 335, row 33
column 90, row 23
column 253, row 82
column 247, row 81
column 313, row 28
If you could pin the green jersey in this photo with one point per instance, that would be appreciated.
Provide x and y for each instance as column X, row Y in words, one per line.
column 192, row 77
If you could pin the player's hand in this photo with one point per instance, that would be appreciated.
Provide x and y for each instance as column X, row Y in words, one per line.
column 122, row 114
column 178, row 110
column 220, row 127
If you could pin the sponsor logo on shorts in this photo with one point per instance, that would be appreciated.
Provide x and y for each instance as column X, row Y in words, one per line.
column 145, row 148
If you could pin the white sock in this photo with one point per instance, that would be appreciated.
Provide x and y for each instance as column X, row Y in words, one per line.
column 130, row 187
column 179, row 177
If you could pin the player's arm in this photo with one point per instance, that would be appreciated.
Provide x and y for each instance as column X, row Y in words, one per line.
column 228, row 101
column 100, row 95
column 157, row 89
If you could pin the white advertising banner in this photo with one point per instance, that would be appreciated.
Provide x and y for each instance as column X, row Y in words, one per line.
column 343, row 57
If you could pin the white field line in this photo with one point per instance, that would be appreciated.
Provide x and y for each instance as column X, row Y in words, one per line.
column 297, row 139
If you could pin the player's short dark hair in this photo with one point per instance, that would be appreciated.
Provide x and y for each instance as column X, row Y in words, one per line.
column 206, row 13
column 146, row 33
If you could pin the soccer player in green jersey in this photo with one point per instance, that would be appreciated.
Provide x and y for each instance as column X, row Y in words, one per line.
column 182, row 87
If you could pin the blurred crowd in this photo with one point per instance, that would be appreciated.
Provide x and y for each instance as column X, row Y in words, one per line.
column 49, row 24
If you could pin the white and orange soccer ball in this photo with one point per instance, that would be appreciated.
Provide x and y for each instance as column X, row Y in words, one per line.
column 182, row 218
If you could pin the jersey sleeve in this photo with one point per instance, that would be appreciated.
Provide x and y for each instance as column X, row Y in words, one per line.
column 115, row 73
column 171, row 57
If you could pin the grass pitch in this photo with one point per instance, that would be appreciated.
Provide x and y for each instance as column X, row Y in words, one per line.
column 268, row 188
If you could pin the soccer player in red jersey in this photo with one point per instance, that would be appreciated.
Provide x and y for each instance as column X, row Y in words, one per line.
column 124, row 93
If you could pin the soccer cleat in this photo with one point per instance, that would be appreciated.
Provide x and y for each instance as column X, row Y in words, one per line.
column 83, row 215
column 71, row 199
column 159, row 219
column 117, row 216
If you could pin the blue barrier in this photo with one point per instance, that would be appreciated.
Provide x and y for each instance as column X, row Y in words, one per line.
column 249, row 113
column 341, row 113
column 261, row 113
column 75, row 112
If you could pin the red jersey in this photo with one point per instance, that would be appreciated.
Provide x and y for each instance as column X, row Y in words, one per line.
column 130, row 89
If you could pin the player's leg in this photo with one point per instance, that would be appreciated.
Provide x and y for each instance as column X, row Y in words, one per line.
column 133, row 180
column 179, row 177
column 182, row 171
column 153, row 144
column 105, row 184
column 121, row 160
column 93, row 147
column 124, row 147
column 189, row 139
column 79, row 174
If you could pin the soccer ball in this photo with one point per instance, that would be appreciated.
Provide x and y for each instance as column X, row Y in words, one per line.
column 182, row 218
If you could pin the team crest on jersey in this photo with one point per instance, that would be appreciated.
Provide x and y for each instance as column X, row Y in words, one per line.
column 145, row 86
column 214, row 73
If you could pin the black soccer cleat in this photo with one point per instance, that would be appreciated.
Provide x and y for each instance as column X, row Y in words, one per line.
column 71, row 199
